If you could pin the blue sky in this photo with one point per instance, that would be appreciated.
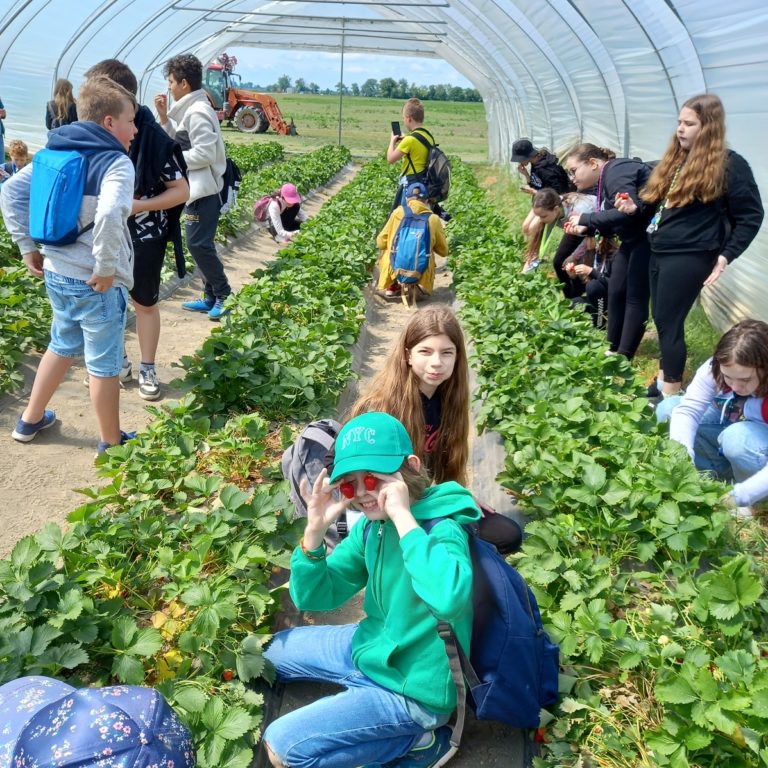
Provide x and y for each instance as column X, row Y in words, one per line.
column 265, row 66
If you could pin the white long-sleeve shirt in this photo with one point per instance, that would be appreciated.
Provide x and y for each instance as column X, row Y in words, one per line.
column 274, row 209
column 684, row 424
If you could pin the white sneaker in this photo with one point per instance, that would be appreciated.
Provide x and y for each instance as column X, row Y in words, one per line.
column 743, row 513
column 126, row 374
column 149, row 386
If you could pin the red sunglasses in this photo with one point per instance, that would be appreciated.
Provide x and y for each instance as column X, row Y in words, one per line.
column 348, row 488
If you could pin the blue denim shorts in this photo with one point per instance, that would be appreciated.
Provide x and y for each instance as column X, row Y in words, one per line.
column 87, row 324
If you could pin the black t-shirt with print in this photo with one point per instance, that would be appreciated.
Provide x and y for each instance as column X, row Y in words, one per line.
column 152, row 225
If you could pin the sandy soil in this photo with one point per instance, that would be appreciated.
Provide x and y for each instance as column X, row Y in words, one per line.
column 39, row 480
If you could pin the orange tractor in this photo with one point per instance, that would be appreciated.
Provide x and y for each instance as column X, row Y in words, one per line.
column 251, row 111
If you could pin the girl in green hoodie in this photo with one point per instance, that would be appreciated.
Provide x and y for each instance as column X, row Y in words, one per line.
column 398, row 692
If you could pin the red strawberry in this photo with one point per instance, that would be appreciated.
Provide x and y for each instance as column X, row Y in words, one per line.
column 227, row 674
column 348, row 489
column 370, row 482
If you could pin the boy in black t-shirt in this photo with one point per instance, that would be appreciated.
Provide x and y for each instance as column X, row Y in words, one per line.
column 160, row 193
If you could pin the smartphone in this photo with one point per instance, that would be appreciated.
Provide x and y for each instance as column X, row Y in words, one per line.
column 396, row 128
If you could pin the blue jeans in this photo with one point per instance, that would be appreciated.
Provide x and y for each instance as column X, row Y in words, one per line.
column 729, row 451
column 87, row 323
column 362, row 725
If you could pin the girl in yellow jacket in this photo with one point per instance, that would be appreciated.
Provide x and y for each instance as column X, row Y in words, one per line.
column 416, row 200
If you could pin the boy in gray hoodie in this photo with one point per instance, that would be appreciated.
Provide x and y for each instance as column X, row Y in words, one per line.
column 87, row 281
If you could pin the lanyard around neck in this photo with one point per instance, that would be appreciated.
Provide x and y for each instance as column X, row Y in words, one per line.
column 663, row 204
column 545, row 240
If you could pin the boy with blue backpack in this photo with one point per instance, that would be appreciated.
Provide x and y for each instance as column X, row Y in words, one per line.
column 75, row 199
column 411, row 238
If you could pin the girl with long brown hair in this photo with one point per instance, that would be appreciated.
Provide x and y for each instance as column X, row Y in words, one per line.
column 723, row 418
column 62, row 109
column 707, row 211
column 425, row 385
column 590, row 166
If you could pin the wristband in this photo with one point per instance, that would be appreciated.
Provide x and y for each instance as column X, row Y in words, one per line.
column 313, row 554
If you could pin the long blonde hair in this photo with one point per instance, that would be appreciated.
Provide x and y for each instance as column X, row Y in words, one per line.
column 63, row 98
column 395, row 390
column 702, row 168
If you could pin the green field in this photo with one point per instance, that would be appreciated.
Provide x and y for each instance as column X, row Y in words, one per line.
column 459, row 127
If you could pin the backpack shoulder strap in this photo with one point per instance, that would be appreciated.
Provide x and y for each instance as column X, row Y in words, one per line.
column 422, row 140
column 457, row 660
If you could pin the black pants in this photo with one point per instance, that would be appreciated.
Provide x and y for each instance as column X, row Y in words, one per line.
column 628, row 293
column 676, row 281
column 201, row 217
column 572, row 286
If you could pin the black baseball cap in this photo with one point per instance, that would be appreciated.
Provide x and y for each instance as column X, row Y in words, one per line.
column 522, row 150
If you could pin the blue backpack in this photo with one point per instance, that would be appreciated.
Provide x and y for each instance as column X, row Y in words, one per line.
column 56, row 194
column 409, row 255
column 513, row 667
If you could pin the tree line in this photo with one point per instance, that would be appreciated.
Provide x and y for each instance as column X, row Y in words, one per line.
column 386, row 88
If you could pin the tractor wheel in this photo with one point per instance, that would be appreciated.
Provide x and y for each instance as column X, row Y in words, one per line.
column 263, row 121
column 249, row 120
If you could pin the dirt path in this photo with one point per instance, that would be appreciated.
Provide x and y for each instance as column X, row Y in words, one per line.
column 38, row 480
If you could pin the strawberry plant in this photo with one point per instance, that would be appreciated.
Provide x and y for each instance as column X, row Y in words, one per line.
column 285, row 347
column 307, row 172
column 25, row 319
column 660, row 615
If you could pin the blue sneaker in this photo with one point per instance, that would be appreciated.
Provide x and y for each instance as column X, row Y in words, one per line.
column 438, row 752
column 25, row 431
column 124, row 438
column 217, row 311
column 198, row 305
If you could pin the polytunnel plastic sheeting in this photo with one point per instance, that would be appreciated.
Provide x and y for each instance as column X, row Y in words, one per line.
column 557, row 71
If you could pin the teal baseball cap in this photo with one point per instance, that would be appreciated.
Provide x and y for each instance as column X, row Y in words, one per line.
column 373, row 442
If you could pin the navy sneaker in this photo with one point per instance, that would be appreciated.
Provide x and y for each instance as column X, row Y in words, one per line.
column 124, row 438
column 438, row 752
column 25, row 431
column 199, row 305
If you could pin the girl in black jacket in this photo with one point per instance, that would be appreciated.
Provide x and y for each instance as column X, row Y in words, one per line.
column 707, row 211
column 628, row 288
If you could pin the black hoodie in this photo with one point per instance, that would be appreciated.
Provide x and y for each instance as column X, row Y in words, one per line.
column 725, row 226
column 547, row 172
column 621, row 175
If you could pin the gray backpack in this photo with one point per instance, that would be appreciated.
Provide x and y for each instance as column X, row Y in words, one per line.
column 306, row 459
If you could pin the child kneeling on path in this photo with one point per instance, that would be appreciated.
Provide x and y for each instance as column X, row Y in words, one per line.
column 87, row 281
column 723, row 418
column 399, row 693
column 416, row 200
column 283, row 215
